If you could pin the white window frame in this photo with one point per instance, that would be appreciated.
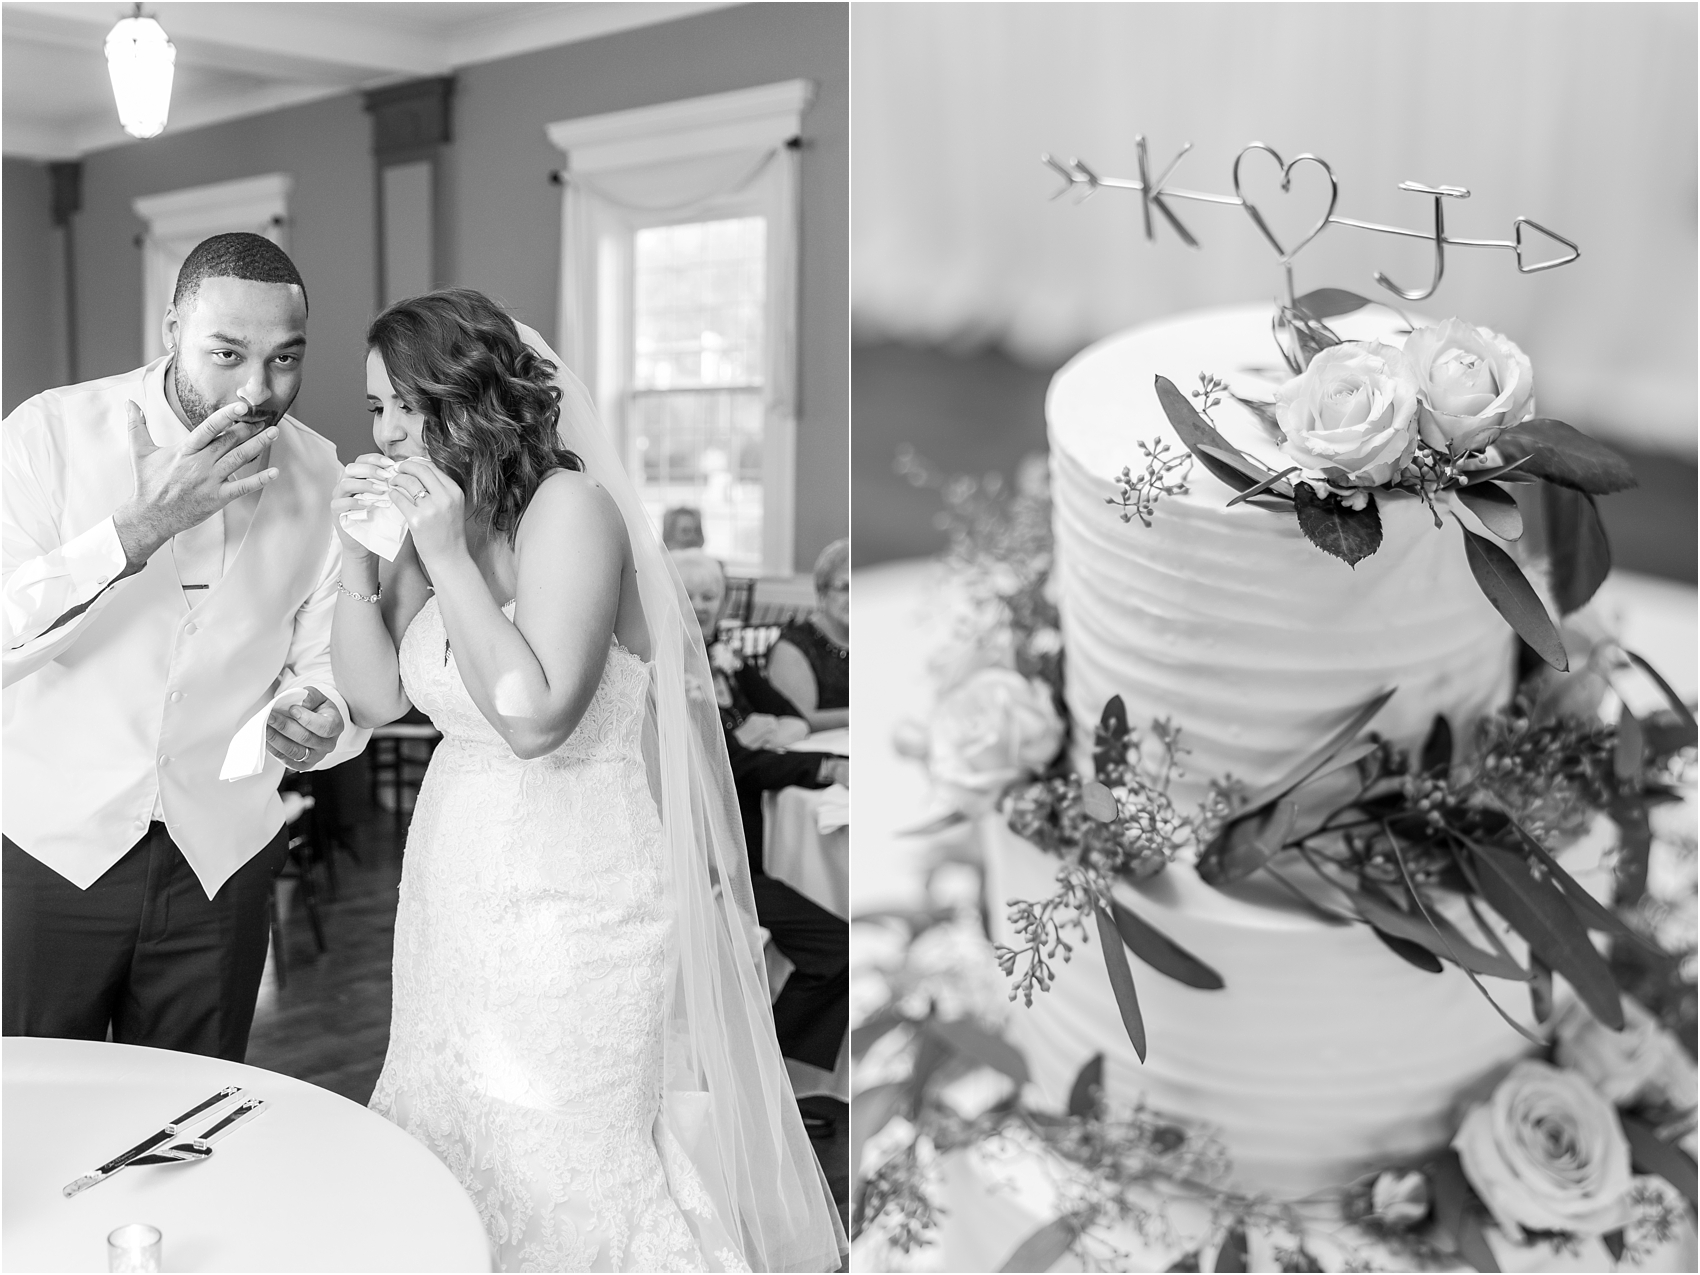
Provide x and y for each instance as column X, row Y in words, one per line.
column 179, row 219
column 594, row 320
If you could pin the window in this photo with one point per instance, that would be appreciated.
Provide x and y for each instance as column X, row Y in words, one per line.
column 678, row 305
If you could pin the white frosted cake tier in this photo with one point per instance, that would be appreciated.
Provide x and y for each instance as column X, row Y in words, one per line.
column 1324, row 1055
column 1228, row 621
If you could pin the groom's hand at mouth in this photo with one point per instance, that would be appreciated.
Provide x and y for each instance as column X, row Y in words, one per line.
column 302, row 735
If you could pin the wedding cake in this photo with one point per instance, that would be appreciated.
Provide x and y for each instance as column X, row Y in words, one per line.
column 1324, row 1054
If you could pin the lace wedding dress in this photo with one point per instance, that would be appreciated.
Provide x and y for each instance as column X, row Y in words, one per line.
column 530, row 969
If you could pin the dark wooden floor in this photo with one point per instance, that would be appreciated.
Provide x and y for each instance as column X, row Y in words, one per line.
column 329, row 1022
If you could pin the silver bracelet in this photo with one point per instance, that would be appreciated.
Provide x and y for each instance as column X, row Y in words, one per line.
column 360, row 597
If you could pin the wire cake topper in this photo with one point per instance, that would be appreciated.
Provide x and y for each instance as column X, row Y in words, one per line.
column 1154, row 194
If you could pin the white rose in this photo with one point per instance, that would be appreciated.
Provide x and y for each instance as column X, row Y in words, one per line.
column 992, row 729
column 1472, row 385
column 1641, row 1063
column 1350, row 417
column 1546, row 1152
column 1400, row 1199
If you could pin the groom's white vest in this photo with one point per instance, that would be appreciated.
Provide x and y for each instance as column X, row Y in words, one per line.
column 142, row 701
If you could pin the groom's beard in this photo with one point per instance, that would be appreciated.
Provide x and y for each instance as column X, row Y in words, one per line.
column 197, row 407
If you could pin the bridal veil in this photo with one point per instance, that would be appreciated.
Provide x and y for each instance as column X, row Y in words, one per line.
column 727, row 1101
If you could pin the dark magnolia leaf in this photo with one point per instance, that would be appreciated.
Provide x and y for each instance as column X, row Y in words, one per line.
column 863, row 1037
column 1121, row 979
column 1044, row 1248
column 1684, row 714
column 1496, row 507
column 1199, row 434
column 1457, row 1212
column 1415, row 953
column 1630, row 751
column 1328, row 303
column 1265, row 414
column 1536, row 908
column 1595, row 915
column 1099, row 802
column 1350, row 535
column 1088, row 1088
column 1613, row 1240
column 1511, row 473
column 1231, row 1256
column 1425, row 931
column 1566, row 456
column 870, row 1111
column 1161, row 952
column 1186, row 1262
column 972, row 1041
column 1651, row 1154
column 1634, row 844
column 1514, row 598
column 1576, row 545
column 1540, row 989
column 1109, row 741
column 1325, row 752
column 1268, row 483
column 1246, row 844
column 1437, row 748
column 1252, row 469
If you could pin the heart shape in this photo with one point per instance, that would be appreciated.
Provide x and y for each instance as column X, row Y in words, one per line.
column 1287, row 185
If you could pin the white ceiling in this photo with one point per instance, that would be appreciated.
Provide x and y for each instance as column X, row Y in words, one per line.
column 243, row 57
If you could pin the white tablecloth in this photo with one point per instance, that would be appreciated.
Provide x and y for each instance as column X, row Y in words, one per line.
column 814, row 863
column 314, row 1183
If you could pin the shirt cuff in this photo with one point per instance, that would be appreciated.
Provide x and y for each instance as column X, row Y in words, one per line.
column 71, row 576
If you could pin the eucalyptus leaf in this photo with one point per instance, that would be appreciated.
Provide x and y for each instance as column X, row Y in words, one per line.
column 1457, row 1213
column 1231, row 1256
column 1247, row 843
column 870, row 1111
column 1121, row 979
column 1613, row 1240
column 1576, row 545
column 1322, row 754
column 1328, row 303
column 974, row 1042
column 1437, row 748
column 862, row 1038
column 1187, row 1261
column 1199, row 435
column 1161, row 952
column 1651, row 1154
column 1415, row 953
column 1088, row 1088
column 1565, row 455
column 1044, row 1248
column 1507, row 473
column 1537, row 909
column 1631, row 748
column 1496, row 507
column 1540, row 989
column 1265, row 414
column 1109, row 741
column 1098, row 802
column 1514, row 598
column 1634, row 845
column 1350, row 535
column 1676, row 703
column 1267, row 484
column 1424, row 933
column 1247, row 465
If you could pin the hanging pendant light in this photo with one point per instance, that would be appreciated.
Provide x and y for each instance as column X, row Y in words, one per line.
column 141, row 61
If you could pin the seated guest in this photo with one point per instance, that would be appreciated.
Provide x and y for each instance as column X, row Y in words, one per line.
column 812, row 1012
column 810, row 663
column 681, row 528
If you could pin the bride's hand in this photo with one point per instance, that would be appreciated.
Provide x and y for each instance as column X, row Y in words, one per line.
column 433, row 506
column 362, row 478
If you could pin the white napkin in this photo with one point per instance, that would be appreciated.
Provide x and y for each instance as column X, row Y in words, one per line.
column 833, row 812
column 247, row 754
column 379, row 526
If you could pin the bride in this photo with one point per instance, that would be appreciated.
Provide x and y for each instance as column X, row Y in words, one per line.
column 581, row 1028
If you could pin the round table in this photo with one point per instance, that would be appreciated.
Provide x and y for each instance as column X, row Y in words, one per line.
column 796, row 850
column 314, row 1183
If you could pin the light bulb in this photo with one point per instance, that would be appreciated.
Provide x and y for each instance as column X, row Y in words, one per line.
column 141, row 61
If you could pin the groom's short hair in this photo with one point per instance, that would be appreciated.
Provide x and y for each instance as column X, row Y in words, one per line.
column 238, row 255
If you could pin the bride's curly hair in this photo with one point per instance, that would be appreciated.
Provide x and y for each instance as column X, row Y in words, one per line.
column 488, row 398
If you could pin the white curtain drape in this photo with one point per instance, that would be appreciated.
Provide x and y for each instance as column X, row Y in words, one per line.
column 1580, row 116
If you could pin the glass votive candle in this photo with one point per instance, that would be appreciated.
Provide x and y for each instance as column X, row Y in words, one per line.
column 133, row 1248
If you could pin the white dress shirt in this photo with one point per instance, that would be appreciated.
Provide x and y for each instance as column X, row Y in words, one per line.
column 123, row 713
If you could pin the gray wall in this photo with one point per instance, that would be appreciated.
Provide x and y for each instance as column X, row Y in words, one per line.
column 33, row 340
column 498, row 215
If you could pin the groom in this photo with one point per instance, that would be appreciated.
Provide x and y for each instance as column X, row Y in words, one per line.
column 169, row 566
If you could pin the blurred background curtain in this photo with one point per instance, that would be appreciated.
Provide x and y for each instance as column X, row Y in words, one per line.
column 1580, row 116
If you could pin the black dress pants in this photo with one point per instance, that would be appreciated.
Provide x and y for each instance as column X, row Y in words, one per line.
column 142, row 951
column 813, row 1010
